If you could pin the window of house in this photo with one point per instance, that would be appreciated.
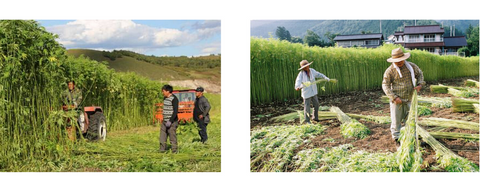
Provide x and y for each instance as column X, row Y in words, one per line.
column 344, row 43
column 371, row 42
column 414, row 38
column 429, row 37
column 357, row 43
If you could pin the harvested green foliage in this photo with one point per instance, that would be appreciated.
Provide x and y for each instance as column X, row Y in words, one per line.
column 463, row 105
column 446, row 158
column 290, row 117
column 441, row 122
column 453, row 135
column 476, row 108
column 423, row 110
column 440, row 102
column 350, row 127
column 343, row 159
column 376, row 119
column 308, row 83
column 271, row 148
column 354, row 129
column 409, row 157
column 472, row 83
column 438, row 89
column 455, row 91
column 462, row 93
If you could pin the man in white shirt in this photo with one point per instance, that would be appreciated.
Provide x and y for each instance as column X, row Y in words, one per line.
column 309, row 93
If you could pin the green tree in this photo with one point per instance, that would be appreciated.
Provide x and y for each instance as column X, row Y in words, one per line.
column 283, row 34
column 296, row 39
column 330, row 36
column 472, row 40
column 312, row 39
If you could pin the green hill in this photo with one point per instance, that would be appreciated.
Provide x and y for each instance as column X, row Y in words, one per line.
column 149, row 70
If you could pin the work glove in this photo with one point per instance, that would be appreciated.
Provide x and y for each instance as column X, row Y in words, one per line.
column 168, row 124
column 328, row 79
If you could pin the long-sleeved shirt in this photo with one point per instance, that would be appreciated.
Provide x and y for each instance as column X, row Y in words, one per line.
column 310, row 91
column 73, row 97
column 202, row 107
column 170, row 108
column 395, row 86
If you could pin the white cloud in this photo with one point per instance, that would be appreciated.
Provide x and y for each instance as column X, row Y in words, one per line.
column 113, row 34
column 212, row 48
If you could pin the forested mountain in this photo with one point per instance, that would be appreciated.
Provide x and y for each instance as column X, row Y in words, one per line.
column 262, row 28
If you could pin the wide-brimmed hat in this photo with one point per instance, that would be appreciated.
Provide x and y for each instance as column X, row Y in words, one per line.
column 398, row 55
column 304, row 63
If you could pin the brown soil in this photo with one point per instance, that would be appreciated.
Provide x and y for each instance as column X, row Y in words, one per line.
column 379, row 140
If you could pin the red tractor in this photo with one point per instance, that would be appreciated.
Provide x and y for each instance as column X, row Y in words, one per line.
column 186, row 102
column 92, row 124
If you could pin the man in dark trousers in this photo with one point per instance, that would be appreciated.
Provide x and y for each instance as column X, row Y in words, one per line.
column 170, row 119
column 201, row 113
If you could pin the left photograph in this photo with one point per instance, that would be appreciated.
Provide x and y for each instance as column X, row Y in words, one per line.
column 110, row 95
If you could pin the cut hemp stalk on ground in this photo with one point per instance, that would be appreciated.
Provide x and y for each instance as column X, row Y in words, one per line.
column 441, row 122
column 455, row 91
column 453, row 135
column 472, row 83
column 350, row 127
column 463, row 105
column 272, row 148
column 376, row 119
column 343, row 159
column 447, row 159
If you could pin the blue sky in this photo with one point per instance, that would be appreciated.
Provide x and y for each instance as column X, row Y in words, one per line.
column 150, row 37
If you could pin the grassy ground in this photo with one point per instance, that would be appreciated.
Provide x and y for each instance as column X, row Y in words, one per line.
column 137, row 150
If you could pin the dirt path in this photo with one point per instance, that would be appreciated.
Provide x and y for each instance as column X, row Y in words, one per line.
column 209, row 85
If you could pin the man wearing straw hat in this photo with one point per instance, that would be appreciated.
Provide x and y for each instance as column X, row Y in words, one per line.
column 399, row 81
column 309, row 93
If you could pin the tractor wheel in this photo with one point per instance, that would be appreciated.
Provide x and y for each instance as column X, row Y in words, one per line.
column 97, row 129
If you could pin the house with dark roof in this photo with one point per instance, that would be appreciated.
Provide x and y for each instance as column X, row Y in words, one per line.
column 429, row 38
column 370, row 40
column 425, row 37
column 452, row 44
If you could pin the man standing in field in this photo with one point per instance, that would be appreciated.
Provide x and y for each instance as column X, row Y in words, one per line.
column 309, row 93
column 201, row 113
column 399, row 81
column 170, row 119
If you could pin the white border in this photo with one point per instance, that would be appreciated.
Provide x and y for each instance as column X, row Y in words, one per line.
column 235, row 17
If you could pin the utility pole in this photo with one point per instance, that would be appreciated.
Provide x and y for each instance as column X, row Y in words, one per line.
column 380, row 26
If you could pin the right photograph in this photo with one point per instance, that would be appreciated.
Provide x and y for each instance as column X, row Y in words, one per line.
column 364, row 96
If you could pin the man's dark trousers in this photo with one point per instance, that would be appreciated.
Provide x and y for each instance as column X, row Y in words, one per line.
column 203, row 130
